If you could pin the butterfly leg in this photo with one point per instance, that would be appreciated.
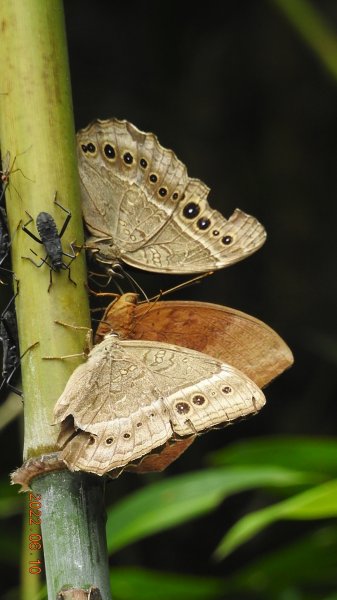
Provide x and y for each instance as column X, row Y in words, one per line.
column 74, row 252
column 88, row 344
column 115, row 473
column 65, row 356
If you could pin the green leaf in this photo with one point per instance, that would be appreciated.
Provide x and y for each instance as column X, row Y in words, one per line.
column 299, row 453
column 309, row 561
column 130, row 583
column 319, row 502
column 10, row 502
column 311, row 24
column 170, row 502
column 9, row 546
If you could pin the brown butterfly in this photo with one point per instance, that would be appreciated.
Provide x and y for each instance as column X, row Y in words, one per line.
column 224, row 333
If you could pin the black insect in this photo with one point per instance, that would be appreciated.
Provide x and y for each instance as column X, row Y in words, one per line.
column 4, row 237
column 51, row 240
column 5, row 173
column 10, row 346
column 4, row 240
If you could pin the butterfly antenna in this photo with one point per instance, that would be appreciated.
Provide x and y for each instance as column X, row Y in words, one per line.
column 135, row 285
column 181, row 285
column 153, row 301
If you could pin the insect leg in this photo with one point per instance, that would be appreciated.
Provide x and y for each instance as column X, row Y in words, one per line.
column 38, row 265
column 67, row 219
column 30, row 233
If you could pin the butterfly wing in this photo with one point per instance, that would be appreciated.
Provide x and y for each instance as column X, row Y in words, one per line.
column 199, row 392
column 119, row 199
column 185, row 245
column 132, row 396
column 106, row 411
column 138, row 196
column 224, row 333
column 160, row 458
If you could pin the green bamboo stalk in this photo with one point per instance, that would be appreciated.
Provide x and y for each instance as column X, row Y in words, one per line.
column 75, row 501
column 314, row 28
column 37, row 130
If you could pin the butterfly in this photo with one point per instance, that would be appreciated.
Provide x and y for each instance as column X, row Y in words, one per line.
column 141, row 207
column 132, row 397
column 224, row 333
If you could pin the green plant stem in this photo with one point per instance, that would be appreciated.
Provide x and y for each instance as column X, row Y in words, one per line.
column 313, row 28
column 37, row 130
column 81, row 554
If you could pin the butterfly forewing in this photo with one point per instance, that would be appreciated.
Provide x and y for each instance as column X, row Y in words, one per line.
column 224, row 333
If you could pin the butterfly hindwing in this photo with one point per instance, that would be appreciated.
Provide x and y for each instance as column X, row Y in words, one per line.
column 146, row 392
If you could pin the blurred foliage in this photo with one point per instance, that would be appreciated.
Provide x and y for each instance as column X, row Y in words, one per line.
column 314, row 28
column 178, row 499
column 304, row 564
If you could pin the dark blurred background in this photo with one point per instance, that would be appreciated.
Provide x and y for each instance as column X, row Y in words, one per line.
column 251, row 109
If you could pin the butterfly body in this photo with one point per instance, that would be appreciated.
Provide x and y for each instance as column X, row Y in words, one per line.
column 141, row 207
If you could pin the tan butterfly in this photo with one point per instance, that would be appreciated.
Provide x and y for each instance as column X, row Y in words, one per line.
column 131, row 397
column 141, row 207
column 219, row 331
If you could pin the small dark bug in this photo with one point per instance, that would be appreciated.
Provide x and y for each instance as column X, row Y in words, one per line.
column 4, row 238
column 10, row 346
column 5, row 173
column 4, row 235
column 8, row 169
column 51, row 240
column 4, row 241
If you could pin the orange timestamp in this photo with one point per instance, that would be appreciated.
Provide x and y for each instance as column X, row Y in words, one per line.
column 34, row 539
